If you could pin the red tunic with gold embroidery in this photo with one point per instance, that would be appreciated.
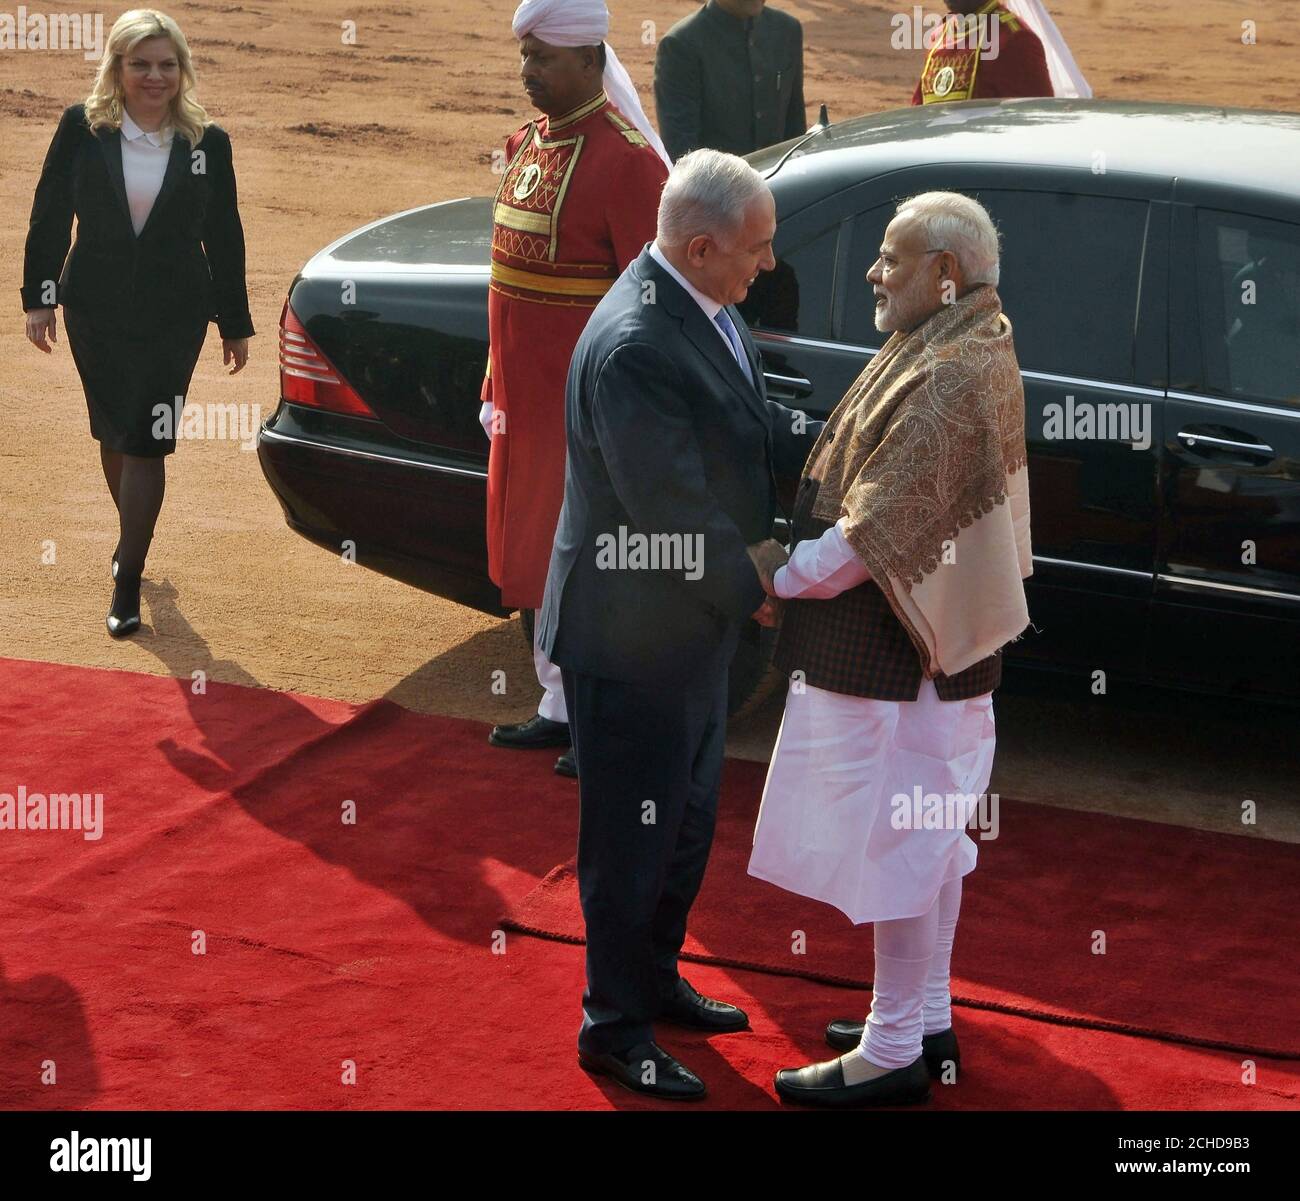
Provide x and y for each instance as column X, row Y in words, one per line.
column 959, row 68
column 578, row 201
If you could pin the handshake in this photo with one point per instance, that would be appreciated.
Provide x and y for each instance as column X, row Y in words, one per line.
column 767, row 556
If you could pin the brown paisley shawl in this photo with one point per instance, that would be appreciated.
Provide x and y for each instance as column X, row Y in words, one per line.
column 930, row 471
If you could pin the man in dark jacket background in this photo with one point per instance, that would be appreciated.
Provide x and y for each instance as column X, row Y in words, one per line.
column 730, row 77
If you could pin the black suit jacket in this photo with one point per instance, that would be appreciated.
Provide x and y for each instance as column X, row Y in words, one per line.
column 187, row 262
column 665, row 436
column 728, row 87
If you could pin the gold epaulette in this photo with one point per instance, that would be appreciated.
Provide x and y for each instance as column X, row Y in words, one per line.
column 635, row 136
column 1005, row 15
column 1009, row 18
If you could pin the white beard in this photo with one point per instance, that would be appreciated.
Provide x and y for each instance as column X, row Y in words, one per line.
column 897, row 311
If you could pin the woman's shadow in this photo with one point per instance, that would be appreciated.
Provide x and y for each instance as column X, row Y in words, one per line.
column 46, row 1057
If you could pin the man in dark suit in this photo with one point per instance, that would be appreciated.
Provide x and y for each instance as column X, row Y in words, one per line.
column 662, row 553
column 730, row 77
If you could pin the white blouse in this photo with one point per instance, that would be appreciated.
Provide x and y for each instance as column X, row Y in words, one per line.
column 144, row 162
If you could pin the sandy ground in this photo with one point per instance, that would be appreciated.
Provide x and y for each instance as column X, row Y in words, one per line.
column 328, row 136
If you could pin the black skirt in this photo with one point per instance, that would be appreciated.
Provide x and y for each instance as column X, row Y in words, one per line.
column 128, row 375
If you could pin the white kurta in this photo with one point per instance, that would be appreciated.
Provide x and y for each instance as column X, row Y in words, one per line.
column 867, row 801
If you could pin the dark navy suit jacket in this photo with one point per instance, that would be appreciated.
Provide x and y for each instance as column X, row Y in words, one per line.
column 665, row 436
column 186, row 264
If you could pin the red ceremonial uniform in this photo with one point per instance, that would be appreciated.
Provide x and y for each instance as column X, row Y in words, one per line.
column 578, row 201
column 957, row 69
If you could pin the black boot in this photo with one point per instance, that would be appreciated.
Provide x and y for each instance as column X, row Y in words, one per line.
column 124, row 613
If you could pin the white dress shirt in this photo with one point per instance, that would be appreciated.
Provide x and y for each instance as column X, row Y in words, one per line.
column 821, row 568
column 144, row 163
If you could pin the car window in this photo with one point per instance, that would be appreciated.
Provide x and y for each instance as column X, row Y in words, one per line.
column 1248, row 272
column 1069, row 278
column 859, row 299
column 795, row 297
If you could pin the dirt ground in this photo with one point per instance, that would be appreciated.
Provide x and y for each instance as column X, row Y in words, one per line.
column 328, row 136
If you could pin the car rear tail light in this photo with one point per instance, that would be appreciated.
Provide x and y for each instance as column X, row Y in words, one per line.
column 307, row 377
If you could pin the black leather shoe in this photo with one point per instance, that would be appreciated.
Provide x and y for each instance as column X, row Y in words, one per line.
column 647, row 1069
column 533, row 734
column 686, row 1007
column 124, row 613
column 567, row 765
column 936, row 1049
column 823, row 1084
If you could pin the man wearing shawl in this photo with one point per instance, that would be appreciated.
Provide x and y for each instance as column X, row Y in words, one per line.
column 911, row 532
column 986, row 49
column 578, row 200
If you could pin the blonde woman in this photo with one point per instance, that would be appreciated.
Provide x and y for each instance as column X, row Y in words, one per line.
column 159, row 253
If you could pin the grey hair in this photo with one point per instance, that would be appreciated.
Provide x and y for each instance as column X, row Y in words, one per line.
column 951, row 221
column 707, row 192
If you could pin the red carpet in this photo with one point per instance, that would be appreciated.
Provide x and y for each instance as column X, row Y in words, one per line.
column 1195, row 924
column 331, row 943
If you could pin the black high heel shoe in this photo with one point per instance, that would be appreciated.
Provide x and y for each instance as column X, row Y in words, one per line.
column 124, row 613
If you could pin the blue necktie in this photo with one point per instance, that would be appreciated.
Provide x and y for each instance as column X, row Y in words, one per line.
column 728, row 327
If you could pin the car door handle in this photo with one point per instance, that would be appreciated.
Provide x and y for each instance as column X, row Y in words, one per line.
column 1193, row 438
column 791, row 387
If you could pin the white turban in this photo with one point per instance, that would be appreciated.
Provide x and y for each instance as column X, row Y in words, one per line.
column 585, row 23
column 1067, row 79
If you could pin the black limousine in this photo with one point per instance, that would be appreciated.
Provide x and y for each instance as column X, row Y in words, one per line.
column 1151, row 271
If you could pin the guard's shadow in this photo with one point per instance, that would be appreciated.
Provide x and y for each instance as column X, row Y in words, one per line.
column 428, row 842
